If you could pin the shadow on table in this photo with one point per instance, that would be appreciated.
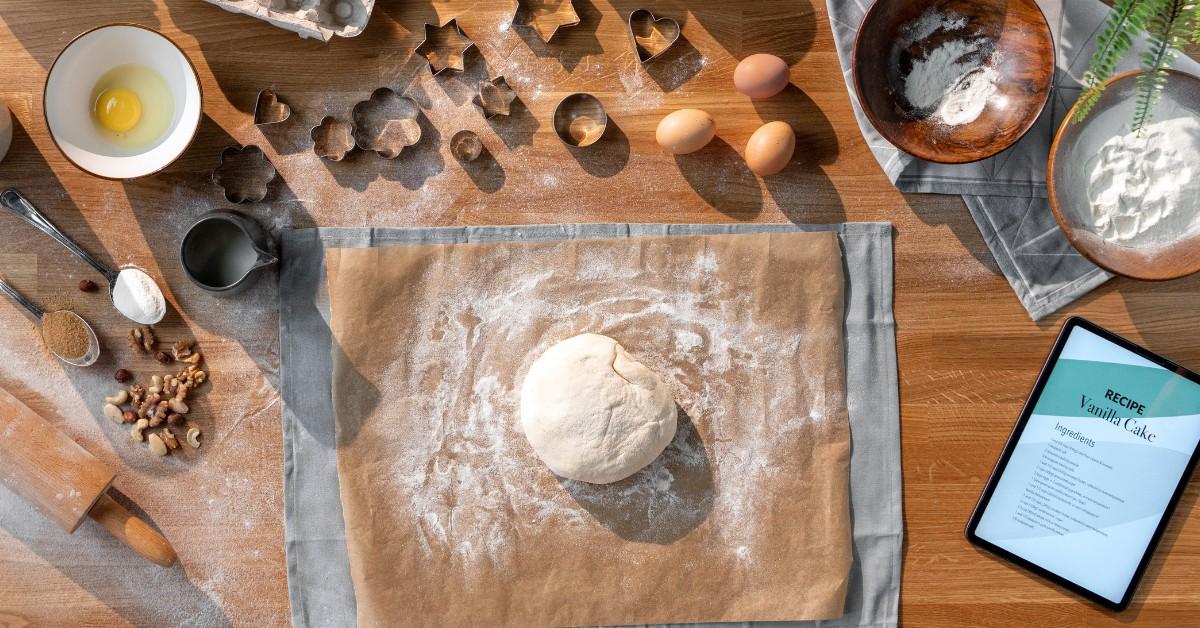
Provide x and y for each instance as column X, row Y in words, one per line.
column 606, row 157
column 661, row 503
column 571, row 44
column 143, row 593
column 802, row 191
column 784, row 28
column 951, row 211
column 36, row 26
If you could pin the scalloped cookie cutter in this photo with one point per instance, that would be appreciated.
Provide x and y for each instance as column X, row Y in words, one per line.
column 545, row 17
column 386, row 123
column 243, row 173
column 651, row 35
column 494, row 97
column 466, row 146
column 444, row 46
column 333, row 139
column 269, row 109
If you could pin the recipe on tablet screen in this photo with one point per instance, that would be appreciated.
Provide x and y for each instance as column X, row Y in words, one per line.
column 1096, row 465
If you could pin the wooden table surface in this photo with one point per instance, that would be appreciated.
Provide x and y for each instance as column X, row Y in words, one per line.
column 968, row 352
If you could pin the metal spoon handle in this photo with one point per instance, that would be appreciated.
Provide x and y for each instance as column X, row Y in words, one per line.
column 16, row 203
column 20, row 298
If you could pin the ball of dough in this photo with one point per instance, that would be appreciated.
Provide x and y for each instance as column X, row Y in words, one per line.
column 593, row 413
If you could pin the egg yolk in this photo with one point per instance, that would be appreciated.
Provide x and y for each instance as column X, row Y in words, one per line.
column 118, row 109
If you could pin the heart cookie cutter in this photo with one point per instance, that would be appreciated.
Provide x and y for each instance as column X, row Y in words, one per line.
column 651, row 35
column 243, row 173
column 269, row 109
column 545, row 17
column 444, row 46
column 494, row 97
column 333, row 139
column 386, row 123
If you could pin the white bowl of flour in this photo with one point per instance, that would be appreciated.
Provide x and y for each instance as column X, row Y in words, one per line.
column 1130, row 201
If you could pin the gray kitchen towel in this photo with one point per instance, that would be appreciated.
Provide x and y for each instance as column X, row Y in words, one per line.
column 1006, row 194
column 317, row 563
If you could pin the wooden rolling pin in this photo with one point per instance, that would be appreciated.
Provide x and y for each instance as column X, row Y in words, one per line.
column 65, row 482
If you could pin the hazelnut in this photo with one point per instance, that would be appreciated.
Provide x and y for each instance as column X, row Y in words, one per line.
column 87, row 285
column 175, row 419
column 122, row 375
column 129, row 416
column 163, row 357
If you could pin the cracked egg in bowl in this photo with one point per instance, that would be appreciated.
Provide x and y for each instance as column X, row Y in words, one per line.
column 122, row 101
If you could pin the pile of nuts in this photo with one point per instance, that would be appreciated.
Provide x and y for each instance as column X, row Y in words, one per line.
column 163, row 401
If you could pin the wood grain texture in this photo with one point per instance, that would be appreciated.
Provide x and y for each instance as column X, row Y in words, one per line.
column 968, row 353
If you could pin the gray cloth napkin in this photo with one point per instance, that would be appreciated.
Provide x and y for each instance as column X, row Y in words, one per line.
column 314, row 532
column 1006, row 194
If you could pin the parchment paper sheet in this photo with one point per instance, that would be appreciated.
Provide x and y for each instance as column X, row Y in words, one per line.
column 450, row 518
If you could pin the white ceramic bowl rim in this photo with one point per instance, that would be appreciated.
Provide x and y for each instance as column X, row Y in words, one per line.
column 67, row 107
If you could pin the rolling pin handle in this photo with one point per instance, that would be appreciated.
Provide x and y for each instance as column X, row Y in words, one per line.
column 134, row 532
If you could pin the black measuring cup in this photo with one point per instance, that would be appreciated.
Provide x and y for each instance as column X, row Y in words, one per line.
column 224, row 252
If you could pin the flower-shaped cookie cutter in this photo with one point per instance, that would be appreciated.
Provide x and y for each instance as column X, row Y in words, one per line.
column 243, row 173
column 269, row 109
column 444, row 46
column 333, row 139
column 545, row 17
column 494, row 97
column 386, row 123
column 651, row 35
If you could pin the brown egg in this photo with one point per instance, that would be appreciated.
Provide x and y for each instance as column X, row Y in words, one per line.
column 685, row 131
column 761, row 76
column 770, row 148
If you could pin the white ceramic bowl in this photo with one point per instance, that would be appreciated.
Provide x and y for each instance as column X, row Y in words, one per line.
column 67, row 104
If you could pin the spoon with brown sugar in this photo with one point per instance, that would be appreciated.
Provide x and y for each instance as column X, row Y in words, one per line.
column 65, row 333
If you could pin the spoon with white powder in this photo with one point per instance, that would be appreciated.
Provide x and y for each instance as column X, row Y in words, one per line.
column 131, row 290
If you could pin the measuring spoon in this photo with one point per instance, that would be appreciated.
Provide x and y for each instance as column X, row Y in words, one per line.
column 93, row 350
column 16, row 203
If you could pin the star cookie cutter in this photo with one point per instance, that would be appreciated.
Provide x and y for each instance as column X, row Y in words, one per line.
column 651, row 35
column 243, row 173
column 386, row 123
column 269, row 109
column 545, row 17
column 333, row 139
column 444, row 46
column 494, row 97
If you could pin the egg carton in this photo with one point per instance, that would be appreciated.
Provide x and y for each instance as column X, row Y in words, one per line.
column 315, row 19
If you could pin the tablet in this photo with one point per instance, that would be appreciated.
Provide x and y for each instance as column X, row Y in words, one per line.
column 1094, row 466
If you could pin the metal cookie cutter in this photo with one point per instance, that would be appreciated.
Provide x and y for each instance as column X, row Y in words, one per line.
column 269, row 109
column 243, row 174
column 651, row 35
column 545, row 17
column 332, row 139
column 580, row 120
column 495, row 97
column 444, row 46
column 386, row 123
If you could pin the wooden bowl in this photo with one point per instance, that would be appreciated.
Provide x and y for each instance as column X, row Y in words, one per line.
column 1023, row 58
column 1067, row 179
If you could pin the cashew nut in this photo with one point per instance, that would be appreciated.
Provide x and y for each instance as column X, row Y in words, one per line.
column 121, row 397
column 136, row 432
column 112, row 412
column 193, row 437
column 177, row 405
column 156, row 381
column 157, row 446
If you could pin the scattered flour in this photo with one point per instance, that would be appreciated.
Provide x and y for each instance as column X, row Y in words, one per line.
column 953, row 82
column 1144, row 190
column 465, row 483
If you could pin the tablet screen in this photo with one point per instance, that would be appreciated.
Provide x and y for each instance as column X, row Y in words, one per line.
column 1095, row 467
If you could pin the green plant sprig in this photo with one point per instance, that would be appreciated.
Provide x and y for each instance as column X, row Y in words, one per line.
column 1170, row 25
